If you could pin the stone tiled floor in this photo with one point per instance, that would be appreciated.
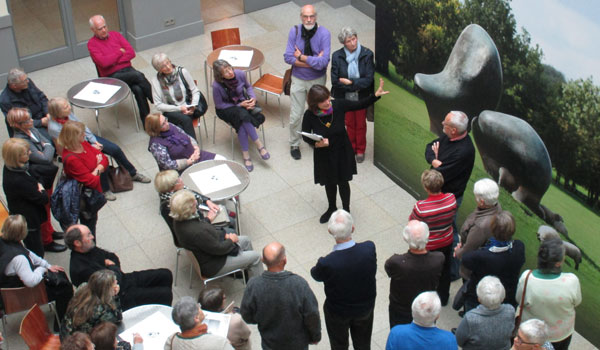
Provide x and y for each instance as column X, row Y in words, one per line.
column 281, row 203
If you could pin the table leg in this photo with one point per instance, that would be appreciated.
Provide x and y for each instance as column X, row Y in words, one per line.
column 206, row 80
column 96, row 111
column 135, row 111
column 236, row 202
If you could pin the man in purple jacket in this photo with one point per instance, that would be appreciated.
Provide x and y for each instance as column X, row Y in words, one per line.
column 307, row 50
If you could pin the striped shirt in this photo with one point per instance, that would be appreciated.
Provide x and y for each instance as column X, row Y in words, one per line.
column 437, row 211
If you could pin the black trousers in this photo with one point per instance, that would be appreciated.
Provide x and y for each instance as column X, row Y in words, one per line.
column 443, row 288
column 360, row 329
column 183, row 121
column 398, row 317
column 146, row 287
column 62, row 295
column 140, row 87
column 33, row 241
column 563, row 344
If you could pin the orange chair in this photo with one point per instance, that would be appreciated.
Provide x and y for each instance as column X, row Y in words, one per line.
column 21, row 299
column 35, row 332
column 4, row 212
column 195, row 266
column 271, row 84
column 224, row 37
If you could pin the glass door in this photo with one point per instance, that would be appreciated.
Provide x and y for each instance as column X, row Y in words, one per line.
column 50, row 32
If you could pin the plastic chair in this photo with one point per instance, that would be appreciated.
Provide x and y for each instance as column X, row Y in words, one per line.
column 224, row 37
column 35, row 332
column 262, row 126
column 196, row 266
column 273, row 85
column 23, row 298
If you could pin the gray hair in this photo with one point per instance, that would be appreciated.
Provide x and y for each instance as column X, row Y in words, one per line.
column 535, row 331
column 490, row 292
column 159, row 59
column 459, row 120
column 91, row 20
column 14, row 75
column 416, row 234
column 184, row 313
column 345, row 33
column 340, row 224
column 486, row 190
column 426, row 309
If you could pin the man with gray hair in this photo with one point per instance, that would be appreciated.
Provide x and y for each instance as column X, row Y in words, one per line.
column 348, row 273
column 476, row 229
column 20, row 91
column 422, row 334
column 189, row 316
column 112, row 55
column 308, row 49
column 532, row 335
column 412, row 273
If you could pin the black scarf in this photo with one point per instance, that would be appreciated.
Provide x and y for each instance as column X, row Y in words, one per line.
column 230, row 86
column 307, row 35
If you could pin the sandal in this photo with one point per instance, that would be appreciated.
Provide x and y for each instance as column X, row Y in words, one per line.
column 266, row 155
column 248, row 167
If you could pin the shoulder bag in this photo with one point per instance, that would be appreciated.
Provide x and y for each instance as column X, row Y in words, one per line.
column 521, row 306
column 287, row 77
column 119, row 179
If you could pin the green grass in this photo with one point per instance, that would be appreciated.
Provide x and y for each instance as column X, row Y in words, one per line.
column 401, row 133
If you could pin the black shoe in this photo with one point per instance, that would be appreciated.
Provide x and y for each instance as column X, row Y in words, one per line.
column 453, row 330
column 325, row 217
column 55, row 247
column 461, row 313
column 295, row 152
column 58, row 235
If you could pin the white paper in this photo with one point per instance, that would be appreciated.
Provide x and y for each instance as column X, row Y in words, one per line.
column 97, row 92
column 311, row 136
column 237, row 58
column 154, row 329
column 218, row 323
column 214, row 179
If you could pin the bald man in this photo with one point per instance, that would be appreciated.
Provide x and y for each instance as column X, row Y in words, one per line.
column 307, row 50
column 282, row 304
column 112, row 55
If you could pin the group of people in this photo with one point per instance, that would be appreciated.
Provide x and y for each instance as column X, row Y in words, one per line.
column 483, row 252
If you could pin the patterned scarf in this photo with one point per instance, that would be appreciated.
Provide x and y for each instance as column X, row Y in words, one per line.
column 307, row 35
column 496, row 246
column 325, row 112
column 352, row 60
column 171, row 80
column 231, row 87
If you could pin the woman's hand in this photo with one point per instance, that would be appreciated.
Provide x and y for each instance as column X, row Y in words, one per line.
column 322, row 143
column 380, row 90
column 98, row 158
column 211, row 215
column 40, row 187
column 345, row 81
column 98, row 146
column 232, row 237
column 212, row 205
column 56, row 268
column 137, row 338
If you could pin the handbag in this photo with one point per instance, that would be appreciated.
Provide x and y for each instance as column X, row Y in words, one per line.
column 371, row 113
column 56, row 279
column 119, row 179
column 459, row 298
column 521, row 305
column 287, row 76
column 91, row 202
column 202, row 106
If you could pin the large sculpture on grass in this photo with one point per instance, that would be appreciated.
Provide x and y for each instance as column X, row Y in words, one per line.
column 470, row 82
column 512, row 152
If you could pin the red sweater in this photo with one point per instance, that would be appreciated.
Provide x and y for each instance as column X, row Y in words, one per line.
column 437, row 211
column 80, row 165
column 107, row 55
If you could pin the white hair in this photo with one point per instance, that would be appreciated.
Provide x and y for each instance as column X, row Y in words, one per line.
column 416, row 234
column 91, row 20
column 340, row 224
column 14, row 75
column 486, row 190
column 426, row 309
column 459, row 120
column 535, row 331
column 490, row 292
column 345, row 33
column 159, row 59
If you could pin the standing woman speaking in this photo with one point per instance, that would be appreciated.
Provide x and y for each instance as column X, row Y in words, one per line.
column 334, row 162
column 352, row 72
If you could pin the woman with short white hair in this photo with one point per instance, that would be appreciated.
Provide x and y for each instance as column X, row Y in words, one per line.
column 532, row 335
column 490, row 325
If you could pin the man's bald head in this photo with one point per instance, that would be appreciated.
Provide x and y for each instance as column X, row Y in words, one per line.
column 274, row 256
column 308, row 15
column 98, row 26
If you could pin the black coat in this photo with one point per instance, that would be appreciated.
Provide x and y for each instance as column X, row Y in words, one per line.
column 335, row 163
column 23, row 196
column 339, row 69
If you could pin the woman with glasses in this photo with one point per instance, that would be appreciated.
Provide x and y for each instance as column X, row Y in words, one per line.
column 41, row 166
column 172, row 147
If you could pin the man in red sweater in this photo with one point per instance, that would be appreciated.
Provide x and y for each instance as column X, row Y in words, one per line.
column 112, row 55
column 438, row 211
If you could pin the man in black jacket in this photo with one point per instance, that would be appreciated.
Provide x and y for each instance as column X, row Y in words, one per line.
column 137, row 288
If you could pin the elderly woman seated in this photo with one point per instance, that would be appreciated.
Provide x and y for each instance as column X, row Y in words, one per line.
column 175, row 94
column 188, row 315
column 213, row 299
column 217, row 251
column 172, row 147
column 490, row 325
column 532, row 335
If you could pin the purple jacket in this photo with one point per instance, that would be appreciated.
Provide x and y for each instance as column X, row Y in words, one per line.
column 220, row 96
column 321, row 41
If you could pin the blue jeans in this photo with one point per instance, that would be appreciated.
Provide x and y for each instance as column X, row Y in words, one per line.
column 116, row 152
